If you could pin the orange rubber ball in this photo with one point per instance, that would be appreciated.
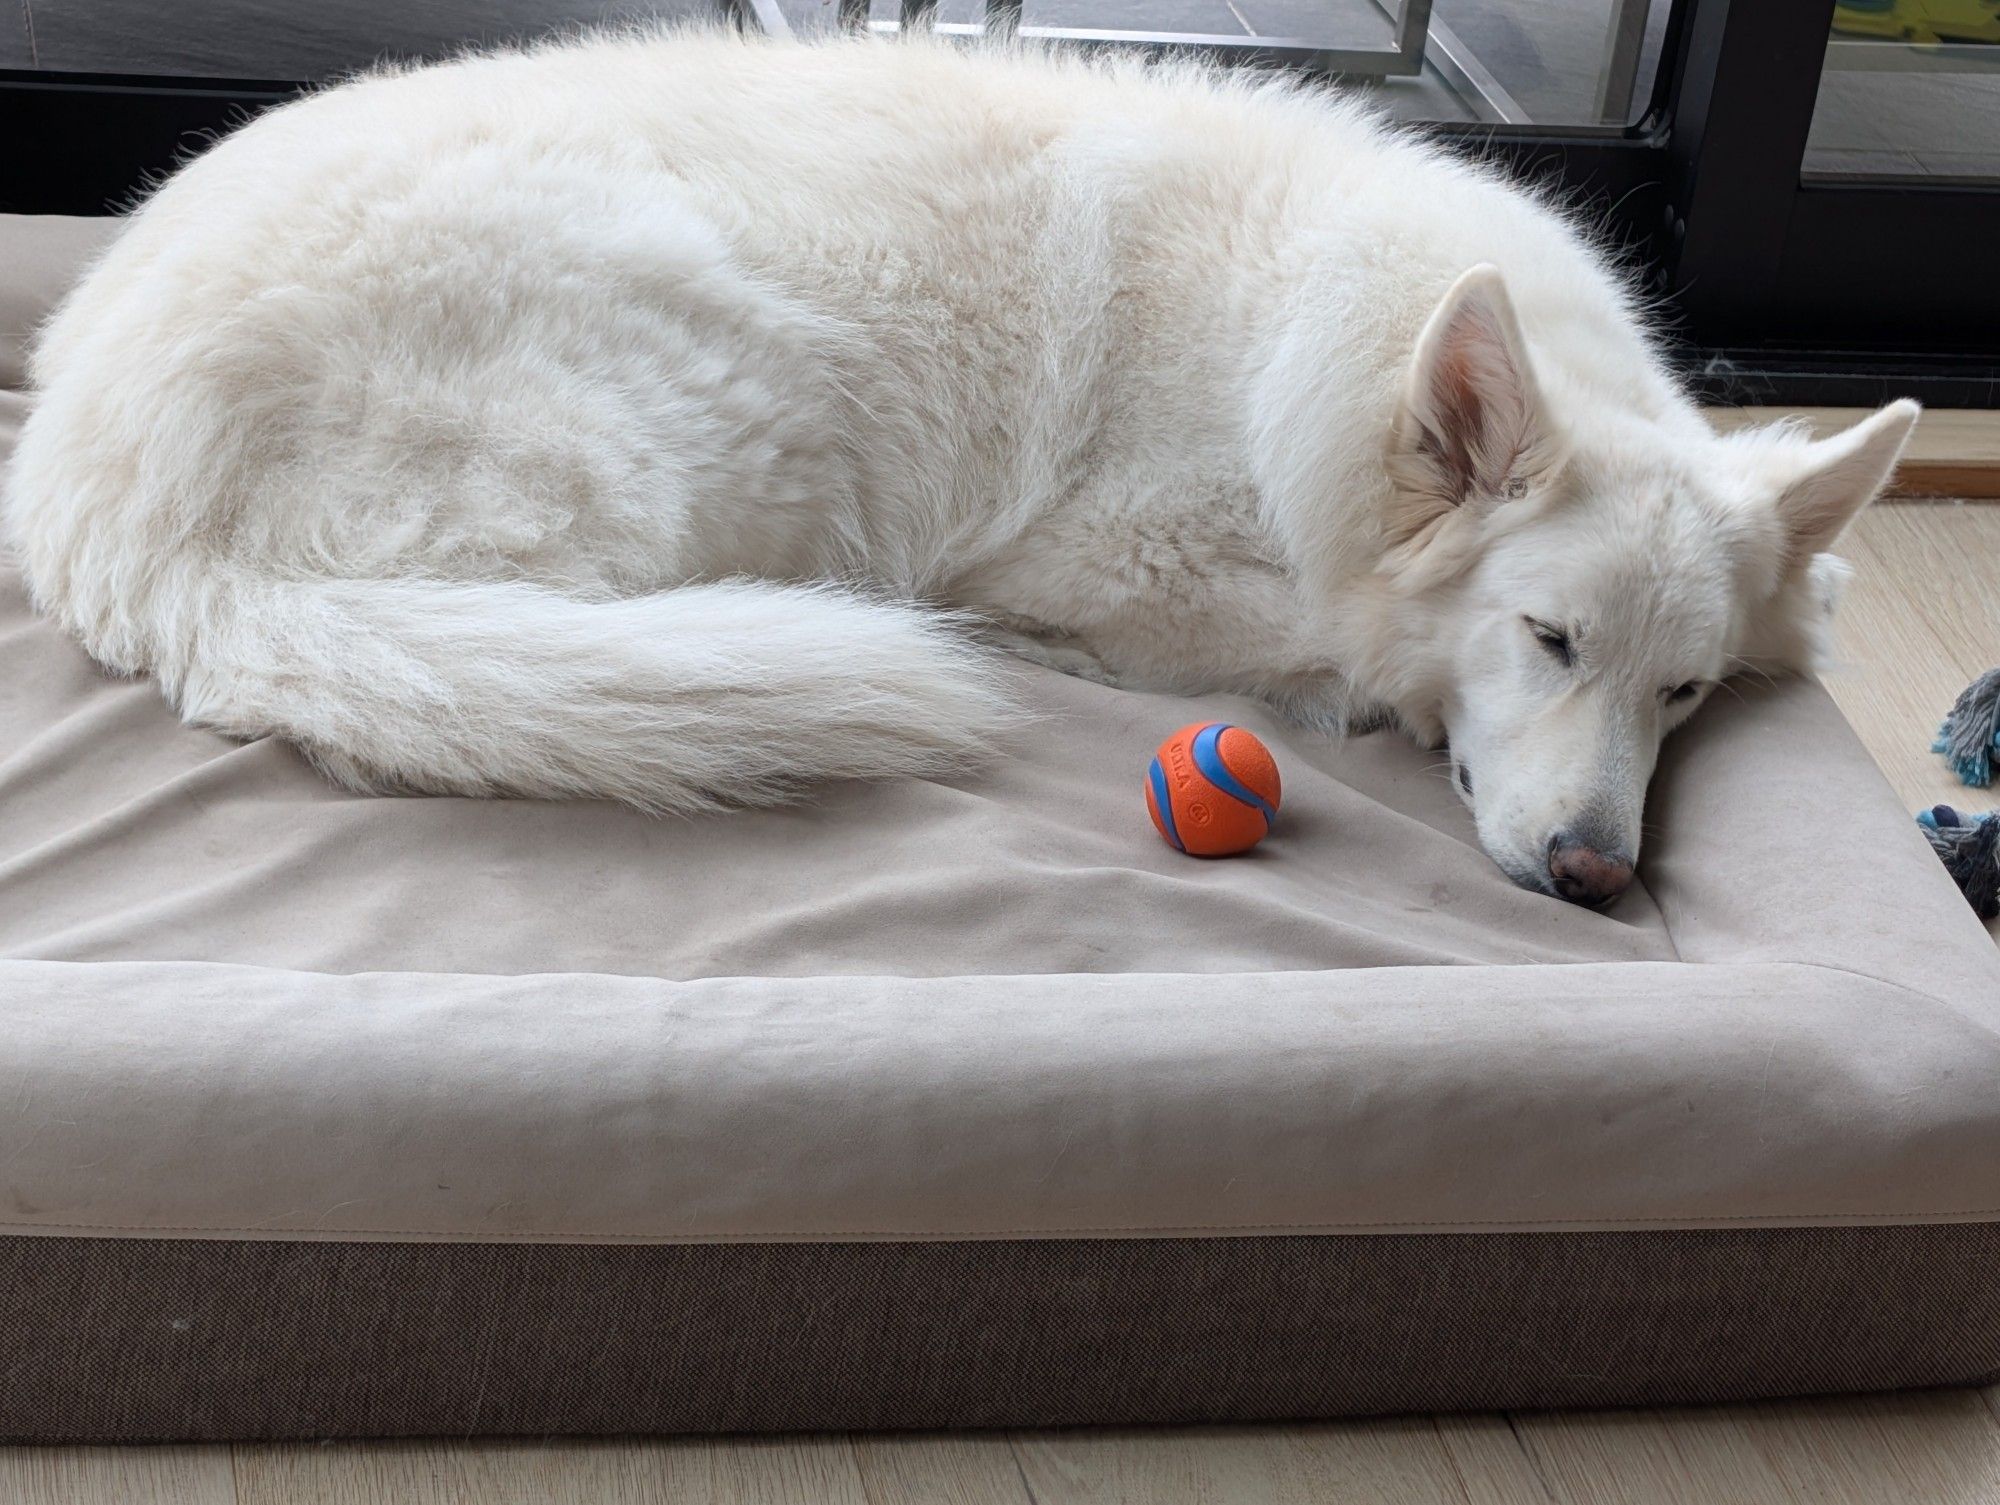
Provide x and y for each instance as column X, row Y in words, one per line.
column 1212, row 790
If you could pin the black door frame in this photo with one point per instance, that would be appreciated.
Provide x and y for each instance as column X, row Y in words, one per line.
column 1774, row 288
column 93, row 143
column 1791, row 290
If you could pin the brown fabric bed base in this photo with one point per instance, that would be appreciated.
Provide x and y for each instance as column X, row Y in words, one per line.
column 119, row 1340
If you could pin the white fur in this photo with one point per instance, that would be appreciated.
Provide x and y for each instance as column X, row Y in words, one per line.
column 592, row 420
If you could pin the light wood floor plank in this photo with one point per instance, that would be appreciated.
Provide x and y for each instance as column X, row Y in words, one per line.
column 1937, row 565
column 699, row 1471
column 1404, row 1460
column 1934, row 1448
column 968, row 1468
column 116, row 1476
column 1493, row 1465
column 1919, row 620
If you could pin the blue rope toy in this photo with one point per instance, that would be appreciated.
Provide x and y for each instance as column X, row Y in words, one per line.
column 1969, row 845
column 1971, row 731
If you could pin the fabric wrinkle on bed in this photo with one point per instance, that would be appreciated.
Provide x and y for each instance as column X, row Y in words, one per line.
column 133, row 838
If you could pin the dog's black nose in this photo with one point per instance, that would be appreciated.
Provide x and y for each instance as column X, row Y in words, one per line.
column 1584, row 875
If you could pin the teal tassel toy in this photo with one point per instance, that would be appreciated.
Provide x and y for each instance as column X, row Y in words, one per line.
column 1969, row 847
column 1970, row 736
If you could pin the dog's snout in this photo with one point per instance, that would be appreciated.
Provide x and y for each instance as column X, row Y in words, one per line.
column 1584, row 875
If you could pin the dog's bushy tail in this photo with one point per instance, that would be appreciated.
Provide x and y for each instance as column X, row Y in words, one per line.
column 737, row 692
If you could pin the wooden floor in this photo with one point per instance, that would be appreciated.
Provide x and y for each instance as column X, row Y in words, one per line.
column 1922, row 617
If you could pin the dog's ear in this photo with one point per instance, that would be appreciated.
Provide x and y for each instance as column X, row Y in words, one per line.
column 1471, row 427
column 1826, row 482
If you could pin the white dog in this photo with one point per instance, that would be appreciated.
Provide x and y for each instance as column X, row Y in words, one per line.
column 613, row 419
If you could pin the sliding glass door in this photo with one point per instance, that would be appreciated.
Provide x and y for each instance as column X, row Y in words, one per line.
column 1810, row 187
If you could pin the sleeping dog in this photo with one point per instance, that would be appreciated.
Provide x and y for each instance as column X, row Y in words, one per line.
column 682, row 419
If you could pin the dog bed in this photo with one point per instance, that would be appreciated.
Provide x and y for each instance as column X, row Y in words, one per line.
column 964, row 1102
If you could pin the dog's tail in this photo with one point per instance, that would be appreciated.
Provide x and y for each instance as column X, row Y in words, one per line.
column 736, row 692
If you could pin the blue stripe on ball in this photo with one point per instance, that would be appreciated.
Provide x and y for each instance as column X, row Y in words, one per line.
column 1208, row 758
column 1163, row 804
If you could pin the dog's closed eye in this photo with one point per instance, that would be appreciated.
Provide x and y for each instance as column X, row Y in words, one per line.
column 1555, row 642
column 1679, row 694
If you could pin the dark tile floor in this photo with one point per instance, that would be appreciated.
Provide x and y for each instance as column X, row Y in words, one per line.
column 1548, row 56
column 1326, row 22
column 1551, row 54
column 1205, row 17
column 1323, row 22
column 1920, row 124
column 285, row 39
column 15, row 50
column 317, row 39
column 1313, row 21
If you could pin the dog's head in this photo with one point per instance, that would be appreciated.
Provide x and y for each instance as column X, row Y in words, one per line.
column 1587, row 578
